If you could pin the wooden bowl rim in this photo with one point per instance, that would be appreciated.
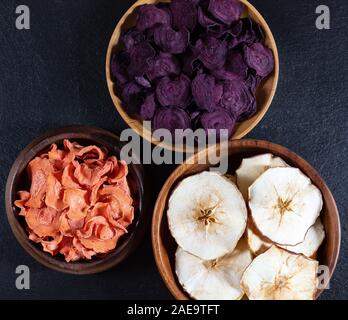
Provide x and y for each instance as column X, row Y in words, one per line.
column 78, row 132
column 145, row 133
column 158, row 250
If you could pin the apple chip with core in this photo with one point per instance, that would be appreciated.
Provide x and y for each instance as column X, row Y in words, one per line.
column 217, row 279
column 284, row 204
column 280, row 275
column 207, row 215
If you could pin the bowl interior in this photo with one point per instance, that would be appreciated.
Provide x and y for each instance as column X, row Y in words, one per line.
column 165, row 245
column 18, row 180
column 264, row 94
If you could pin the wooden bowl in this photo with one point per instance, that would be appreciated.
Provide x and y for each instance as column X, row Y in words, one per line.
column 18, row 180
column 164, row 245
column 264, row 94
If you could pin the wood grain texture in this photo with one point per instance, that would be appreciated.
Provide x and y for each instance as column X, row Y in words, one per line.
column 264, row 94
column 18, row 180
column 164, row 245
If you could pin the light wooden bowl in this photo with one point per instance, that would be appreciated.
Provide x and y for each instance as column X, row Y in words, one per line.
column 264, row 95
column 18, row 180
column 164, row 245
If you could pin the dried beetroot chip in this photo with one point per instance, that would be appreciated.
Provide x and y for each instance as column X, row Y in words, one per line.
column 245, row 31
column 225, row 75
column 164, row 64
column 149, row 16
column 236, row 64
column 217, row 120
column 132, row 37
column 191, row 62
column 237, row 29
column 212, row 52
column 227, row 11
column 148, row 107
column 206, row 92
column 171, row 119
column 253, row 82
column 143, row 82
column 259, row 58
column 171, row 41
column 132, row 95
column 251, row 31
column 234, row 69
column 184, row 14
column 218, row 31
column 204, row 19
column 237, row 98
column 174, row 92
column 249, row 112
column 140, row 56
column 119, row 64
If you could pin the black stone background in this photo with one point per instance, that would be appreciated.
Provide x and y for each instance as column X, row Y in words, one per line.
column 53, row 75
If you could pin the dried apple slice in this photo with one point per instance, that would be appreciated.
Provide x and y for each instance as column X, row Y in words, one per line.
column 313, row 240
column 284, row 204
column 207, row 215
column 280, row 275
column 252, row 168
column 257, row 243
column 217, row 279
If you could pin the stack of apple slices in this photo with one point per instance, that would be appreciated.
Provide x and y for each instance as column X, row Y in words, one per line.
column 208, row 216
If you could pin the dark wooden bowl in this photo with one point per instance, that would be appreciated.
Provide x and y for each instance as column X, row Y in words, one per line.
column 264, row 94
column 164, row 245
column 18, row 180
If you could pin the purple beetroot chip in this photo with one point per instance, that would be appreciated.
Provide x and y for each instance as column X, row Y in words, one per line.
column 171, row 118
column 245, row 32
column 131, row 89
column 204, row 19
column 236, row 64
column 164, row 64
column 150, row 16
column 212, row 52
column 217, row 120
column 253, row 82
column 259, row 58
column 132, row 95
column 237, row 98
column 227, row 11
column 234, row 69
column 143, row 82
column 184, row 14
column 132, row 37
column 249, row 112
column 140, row 56
column 174, row 92
column 171, row 41
column 206, row 92
column 148, row 107
column 191, row 62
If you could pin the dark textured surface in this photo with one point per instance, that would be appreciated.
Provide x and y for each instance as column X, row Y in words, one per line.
column 53, row 75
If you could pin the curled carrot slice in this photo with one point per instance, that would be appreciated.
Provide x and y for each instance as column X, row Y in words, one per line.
column 43, row 222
